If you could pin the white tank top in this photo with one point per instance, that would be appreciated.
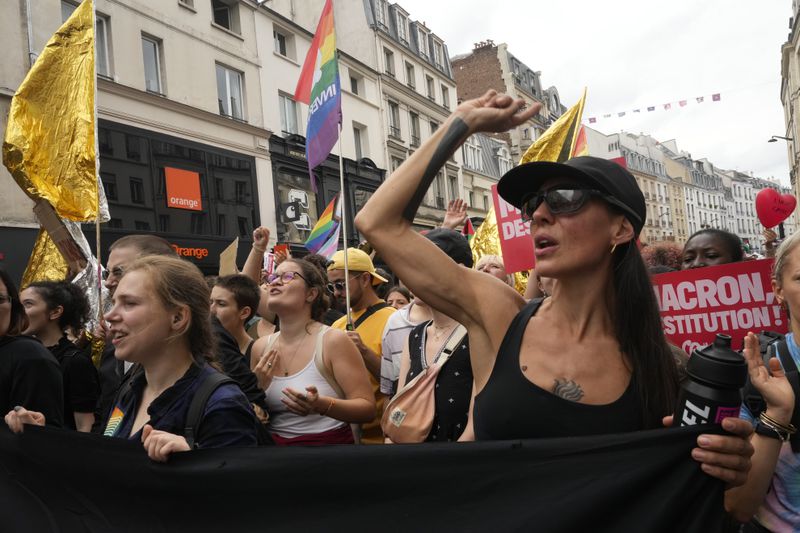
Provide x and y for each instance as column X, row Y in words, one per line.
column 284, row 422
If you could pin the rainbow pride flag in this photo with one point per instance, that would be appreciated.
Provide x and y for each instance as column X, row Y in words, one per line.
column 324, row 238
column 319, row 87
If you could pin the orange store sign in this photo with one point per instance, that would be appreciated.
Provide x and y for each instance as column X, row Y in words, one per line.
column 197, row 253
column 183, row 189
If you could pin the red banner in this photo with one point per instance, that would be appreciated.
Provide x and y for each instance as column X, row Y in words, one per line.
column 515, row 235
column 731, row 299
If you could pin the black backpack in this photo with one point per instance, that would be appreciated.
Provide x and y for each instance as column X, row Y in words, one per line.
column 774, row 345
column 194, row 415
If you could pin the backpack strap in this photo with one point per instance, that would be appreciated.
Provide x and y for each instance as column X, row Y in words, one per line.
column 210, row 383
column 371, row 310
column 320, row 364
column 452, row 343
column 793, row 375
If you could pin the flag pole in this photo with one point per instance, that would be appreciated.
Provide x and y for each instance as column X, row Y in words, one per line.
column 342, row 198
column 97, row 176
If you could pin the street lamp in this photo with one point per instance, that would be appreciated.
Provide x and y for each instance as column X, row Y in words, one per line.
column 775, row 138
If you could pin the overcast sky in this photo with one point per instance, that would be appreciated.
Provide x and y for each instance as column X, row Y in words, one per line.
column 633, row 54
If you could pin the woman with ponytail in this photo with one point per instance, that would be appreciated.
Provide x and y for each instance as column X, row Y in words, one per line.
column 591, row 358
column 55, row 308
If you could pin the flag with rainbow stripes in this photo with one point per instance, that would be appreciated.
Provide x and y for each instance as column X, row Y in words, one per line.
column 324, row 238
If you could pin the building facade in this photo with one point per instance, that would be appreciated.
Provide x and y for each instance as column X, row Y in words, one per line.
column 790, row 95
column 491, row 66
column 485, row 159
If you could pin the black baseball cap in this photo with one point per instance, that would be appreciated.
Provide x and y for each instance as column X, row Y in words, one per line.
column 453, row 243
column 608, row 177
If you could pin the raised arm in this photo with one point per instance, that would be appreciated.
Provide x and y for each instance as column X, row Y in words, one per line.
column 386, row 218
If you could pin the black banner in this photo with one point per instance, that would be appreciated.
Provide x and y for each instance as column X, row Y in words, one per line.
column 54, row 480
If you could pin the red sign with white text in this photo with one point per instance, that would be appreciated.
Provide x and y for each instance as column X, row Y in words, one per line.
column 183, row 189
column 731, row 299
column 515, row 235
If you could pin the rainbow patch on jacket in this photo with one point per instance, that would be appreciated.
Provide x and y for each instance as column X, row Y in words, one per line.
column 113, row 422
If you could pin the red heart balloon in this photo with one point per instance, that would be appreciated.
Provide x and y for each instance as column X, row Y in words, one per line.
column 773, row 208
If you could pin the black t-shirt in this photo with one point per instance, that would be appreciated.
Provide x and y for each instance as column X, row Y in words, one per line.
column 81, row 382
column 31, row 377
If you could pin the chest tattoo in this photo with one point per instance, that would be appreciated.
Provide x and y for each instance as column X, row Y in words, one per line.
column 567, row 389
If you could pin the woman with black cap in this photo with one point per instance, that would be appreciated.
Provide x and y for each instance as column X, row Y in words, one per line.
column 591, row 358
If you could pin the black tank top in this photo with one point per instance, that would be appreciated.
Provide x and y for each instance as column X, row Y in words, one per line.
column 512, row 407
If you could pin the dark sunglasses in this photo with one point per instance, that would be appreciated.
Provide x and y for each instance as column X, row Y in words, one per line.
column 563, row 201
column 338, row 285
column 286, row 277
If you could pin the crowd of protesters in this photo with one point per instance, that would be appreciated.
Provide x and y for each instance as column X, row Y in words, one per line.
column 309, row 354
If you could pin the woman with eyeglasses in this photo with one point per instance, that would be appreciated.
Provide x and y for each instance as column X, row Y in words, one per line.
column 314, row 378
column 53, row 308
column 29, row 374
column 591, row 358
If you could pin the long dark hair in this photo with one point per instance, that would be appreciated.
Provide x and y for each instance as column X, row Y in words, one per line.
column 19, row 320
column 637, row 323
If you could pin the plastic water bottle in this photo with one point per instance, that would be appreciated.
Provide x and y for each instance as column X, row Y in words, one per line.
column 713, row 389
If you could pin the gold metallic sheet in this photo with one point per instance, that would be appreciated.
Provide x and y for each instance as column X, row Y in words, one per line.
column 46, row 262
column 49, row 144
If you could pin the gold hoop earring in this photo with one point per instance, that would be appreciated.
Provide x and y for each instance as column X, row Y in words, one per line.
column 613, row 247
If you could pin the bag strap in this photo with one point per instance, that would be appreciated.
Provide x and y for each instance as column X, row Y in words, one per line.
column 452, row 343
column 210, row 383
column 793, row 375
column 320, row 364
column 371, row 310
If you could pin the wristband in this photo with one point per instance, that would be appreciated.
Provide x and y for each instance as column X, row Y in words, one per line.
column 330, row 405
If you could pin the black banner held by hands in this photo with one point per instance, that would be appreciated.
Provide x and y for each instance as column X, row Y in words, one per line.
column 55, row 480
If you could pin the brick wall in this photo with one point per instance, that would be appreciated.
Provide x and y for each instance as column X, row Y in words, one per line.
column 477, row 73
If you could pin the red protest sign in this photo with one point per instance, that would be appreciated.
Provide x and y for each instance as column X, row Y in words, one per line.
column 515, row 235
column 731, row 299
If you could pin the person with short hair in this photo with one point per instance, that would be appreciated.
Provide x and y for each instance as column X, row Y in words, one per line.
column 710, row 247
column 234, row 300
column 494, row 266
column 369, row 315
column 314, row 378
column 29, row 374
column 53, row 308
column 160, row 320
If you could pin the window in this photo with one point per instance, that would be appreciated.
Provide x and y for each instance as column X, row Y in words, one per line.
column 288, row 114
column 359, row 149
column 380, row 12
column 101, row 36
column 414, row 121
column 434, row 126
column 197, row 223
column 396, row 162
column 284, row 42
column 221, row 230
column 137, row 191
column 280, row 42
column 453, row 189
column 423, row 42
column 163, row 222
column 353, row 85
column 187, row 3
column 110, row 186
column 244, row 226
column 438, row 54
column 410, row 77
column 115, row 223
column 133, row 147
column 402, row 27
column 445, row 97
column 219, row 189
column 471, row 199
column 394, row 119
column 226, row 14
column 241, row 192
column 485, row 203
column 151, row 53
column 438, row 191
column 388, row 59
column 229, row 91
column 141, row 225
column 101, row 45
column 430, row 87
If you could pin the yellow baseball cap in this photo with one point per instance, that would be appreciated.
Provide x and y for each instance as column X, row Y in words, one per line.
column 357, row 261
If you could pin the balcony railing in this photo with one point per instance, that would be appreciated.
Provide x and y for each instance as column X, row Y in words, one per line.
column 394, row 131
column 415, row 140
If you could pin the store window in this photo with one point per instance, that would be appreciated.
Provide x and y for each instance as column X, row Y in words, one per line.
column 297, row 207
